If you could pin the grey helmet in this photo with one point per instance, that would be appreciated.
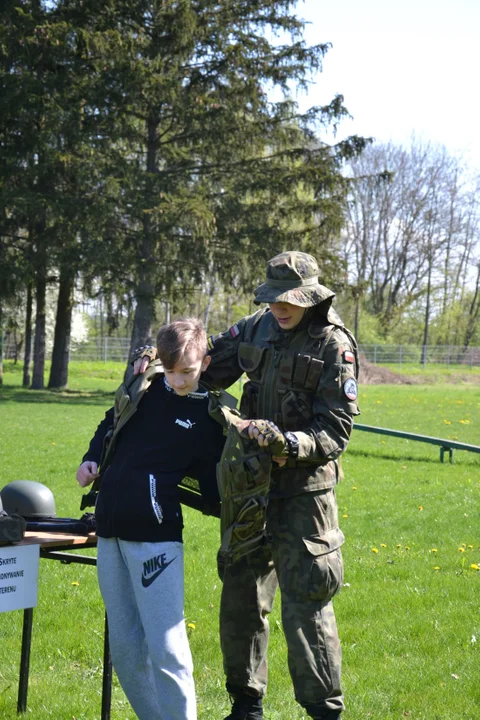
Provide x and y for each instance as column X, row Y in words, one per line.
column 28, row 498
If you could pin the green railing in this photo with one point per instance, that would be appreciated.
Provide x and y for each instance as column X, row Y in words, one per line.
column 445, row 445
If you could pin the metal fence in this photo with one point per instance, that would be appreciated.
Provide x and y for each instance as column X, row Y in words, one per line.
column 421, row 354
column 105, row 349
column 108, row 348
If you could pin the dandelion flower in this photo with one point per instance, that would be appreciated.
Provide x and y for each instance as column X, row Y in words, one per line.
column 447, row 422
column 354, row 487
column 420, row 507
column 434, row 550
column 437, row 567
column 375, row 550
column 191, row 626
column 474, row 566
column 407, row 547
column 75, row 583
column 383, row 545
column 461, row 549
column 345, row 515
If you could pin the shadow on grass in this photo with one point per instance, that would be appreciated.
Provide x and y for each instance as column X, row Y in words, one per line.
column 68, row 397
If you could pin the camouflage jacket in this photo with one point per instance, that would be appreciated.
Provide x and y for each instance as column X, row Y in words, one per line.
column 304, row 380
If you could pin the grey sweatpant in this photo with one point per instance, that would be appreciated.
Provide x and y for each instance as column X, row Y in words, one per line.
column 142, row 585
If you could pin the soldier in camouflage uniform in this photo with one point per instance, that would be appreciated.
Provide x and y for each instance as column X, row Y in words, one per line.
column 301, row 364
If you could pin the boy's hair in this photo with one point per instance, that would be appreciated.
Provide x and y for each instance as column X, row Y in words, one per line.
column 175, row 339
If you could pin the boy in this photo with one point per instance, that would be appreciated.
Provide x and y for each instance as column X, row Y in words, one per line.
column 163, row 431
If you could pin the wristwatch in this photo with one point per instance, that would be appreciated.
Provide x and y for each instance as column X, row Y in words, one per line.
column 293, row 444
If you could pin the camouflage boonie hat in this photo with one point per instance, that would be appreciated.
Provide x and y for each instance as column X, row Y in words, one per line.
column 292, row 277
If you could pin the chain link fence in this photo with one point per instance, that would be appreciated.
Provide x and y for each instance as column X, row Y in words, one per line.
column 102, row 349
column 107, row 348
column 421, row 354
column 111, row 349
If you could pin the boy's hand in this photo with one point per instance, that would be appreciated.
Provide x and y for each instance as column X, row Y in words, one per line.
column 86, row 473
column 142, row 356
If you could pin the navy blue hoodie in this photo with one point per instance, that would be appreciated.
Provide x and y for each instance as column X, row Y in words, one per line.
column 168, row 438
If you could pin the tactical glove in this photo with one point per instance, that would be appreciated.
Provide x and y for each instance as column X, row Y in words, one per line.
column 276, row 440
column 149, row 351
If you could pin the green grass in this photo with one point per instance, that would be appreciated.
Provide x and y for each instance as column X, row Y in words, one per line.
column 410, row 633
column 434, row 373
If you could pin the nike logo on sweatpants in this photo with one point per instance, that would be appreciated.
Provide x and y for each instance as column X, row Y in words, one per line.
column 153, row 568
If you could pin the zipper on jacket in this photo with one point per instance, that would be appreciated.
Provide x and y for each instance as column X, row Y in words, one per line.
column 157, row 509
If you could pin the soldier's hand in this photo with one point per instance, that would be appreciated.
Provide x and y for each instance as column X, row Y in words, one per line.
column 141, row 357
column 86, row 473
column 267, row 434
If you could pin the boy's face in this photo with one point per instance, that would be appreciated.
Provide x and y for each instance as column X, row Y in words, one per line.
column 287, row 315
column 184, row 377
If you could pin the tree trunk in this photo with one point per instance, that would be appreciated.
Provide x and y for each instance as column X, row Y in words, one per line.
column 39, row 343
column 1, row 346
column 63, row 328
column 144, row 311
column 473, row 313
column 145, row 296
column 211, row 293
column 427, row 316
column 229, row 311
column 28, row 337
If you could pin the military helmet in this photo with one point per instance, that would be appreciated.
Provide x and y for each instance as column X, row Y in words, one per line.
column 293, row 277
column 28, row 498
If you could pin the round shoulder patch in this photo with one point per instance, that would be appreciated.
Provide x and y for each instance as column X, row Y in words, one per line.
column 350, row 389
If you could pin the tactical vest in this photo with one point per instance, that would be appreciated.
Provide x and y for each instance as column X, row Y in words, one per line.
column 243, row 476
column 282, row 385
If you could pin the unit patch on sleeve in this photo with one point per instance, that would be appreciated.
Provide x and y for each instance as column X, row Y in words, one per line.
column 350, row 389
column 348, row 357
column 234, row 331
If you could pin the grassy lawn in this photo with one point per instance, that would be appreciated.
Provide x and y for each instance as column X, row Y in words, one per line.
column 409, row 615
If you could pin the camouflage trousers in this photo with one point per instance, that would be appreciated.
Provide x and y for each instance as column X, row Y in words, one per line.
column 303, row 557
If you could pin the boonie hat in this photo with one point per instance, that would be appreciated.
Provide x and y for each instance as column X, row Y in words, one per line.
column 292, row 277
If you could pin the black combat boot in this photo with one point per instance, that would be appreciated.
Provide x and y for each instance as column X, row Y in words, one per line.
column 245, row 707
column 321, row 713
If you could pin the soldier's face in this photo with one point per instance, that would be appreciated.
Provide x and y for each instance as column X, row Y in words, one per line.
column 287, row 315
column 184, row 377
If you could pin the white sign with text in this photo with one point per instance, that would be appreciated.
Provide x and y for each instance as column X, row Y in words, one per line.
column 19, row 577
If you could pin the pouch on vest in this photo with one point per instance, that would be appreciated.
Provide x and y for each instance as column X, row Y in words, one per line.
column 243, row 476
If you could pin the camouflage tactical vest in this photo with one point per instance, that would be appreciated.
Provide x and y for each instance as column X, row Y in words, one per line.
column 283, row 382
column 243, row 476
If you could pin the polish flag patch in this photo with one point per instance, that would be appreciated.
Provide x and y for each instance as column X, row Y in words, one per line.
column 234, row 331
column 348, row 357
